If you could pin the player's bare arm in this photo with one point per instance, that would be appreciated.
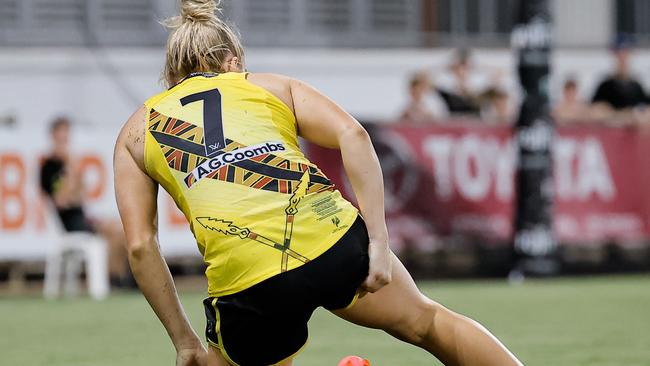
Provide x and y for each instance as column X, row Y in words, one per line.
column 136, row 198
column 322, row 121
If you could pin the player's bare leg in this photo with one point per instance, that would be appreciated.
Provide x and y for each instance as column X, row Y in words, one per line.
column 401, row 310
column 215, row 358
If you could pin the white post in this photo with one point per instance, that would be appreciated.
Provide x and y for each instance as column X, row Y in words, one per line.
column 53, row 265
column 97, row 269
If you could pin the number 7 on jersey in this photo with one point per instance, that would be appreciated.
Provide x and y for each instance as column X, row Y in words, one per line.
column 212, row 119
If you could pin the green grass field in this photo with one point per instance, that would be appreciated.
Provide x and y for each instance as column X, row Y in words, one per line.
column 597, row 321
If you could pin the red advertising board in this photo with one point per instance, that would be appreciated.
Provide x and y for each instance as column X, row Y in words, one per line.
column 459, row 178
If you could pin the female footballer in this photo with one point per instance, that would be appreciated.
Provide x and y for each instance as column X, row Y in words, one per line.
column 278, row 239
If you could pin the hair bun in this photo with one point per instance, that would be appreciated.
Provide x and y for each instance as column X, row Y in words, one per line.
column 199, row 10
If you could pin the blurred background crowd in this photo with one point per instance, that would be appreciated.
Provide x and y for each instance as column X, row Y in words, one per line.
column 467, row 89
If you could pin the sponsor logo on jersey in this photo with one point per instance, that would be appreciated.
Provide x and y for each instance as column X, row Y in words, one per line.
column 232, row 157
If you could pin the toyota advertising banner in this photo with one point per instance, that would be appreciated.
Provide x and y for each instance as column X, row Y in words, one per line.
column 460, row 177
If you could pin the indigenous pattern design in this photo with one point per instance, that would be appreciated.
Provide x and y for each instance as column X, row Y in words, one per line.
column 182, row 143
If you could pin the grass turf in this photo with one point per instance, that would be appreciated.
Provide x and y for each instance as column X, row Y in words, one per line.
column 590, row 321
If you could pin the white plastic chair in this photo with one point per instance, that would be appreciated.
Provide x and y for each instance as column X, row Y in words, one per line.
column 67, row 255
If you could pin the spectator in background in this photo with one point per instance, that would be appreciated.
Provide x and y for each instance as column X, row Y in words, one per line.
column 459, row 97
column 61, row 180
column 620, row 96
column 496, row 107
column 421, row 109
column 571, row 108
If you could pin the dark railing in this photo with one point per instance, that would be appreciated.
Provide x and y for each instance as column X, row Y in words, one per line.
column 287, row 23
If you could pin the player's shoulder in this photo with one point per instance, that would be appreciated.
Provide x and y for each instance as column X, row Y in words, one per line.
column 271, row 81
column 269, row 77
column 277, row 84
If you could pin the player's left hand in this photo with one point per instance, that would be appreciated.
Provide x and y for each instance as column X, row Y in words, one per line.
column 380, row 268
column 197, row 356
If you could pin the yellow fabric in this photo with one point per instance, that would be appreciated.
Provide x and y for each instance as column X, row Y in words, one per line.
column 256, row 205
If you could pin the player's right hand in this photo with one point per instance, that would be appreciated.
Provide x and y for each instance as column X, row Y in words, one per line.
column 380, row 266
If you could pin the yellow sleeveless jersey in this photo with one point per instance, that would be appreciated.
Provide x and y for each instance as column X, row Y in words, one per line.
column 227, row 152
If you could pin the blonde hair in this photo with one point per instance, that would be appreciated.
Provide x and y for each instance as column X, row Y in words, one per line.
column 199, row 41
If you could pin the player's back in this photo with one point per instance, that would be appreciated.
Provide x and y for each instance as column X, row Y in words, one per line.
column 227, row 152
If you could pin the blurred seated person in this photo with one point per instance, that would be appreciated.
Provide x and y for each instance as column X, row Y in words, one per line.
column 496, row 107
column 571, row 108
column 62, row 182
column 620, row 97
column 422, row 107
column 459, row 96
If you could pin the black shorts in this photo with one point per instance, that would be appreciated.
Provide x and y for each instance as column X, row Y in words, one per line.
column 267, row 323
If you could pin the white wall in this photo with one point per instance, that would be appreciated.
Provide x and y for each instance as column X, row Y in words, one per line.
column 38, row 83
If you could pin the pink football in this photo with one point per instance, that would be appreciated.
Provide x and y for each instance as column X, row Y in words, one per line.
column 354, row 361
